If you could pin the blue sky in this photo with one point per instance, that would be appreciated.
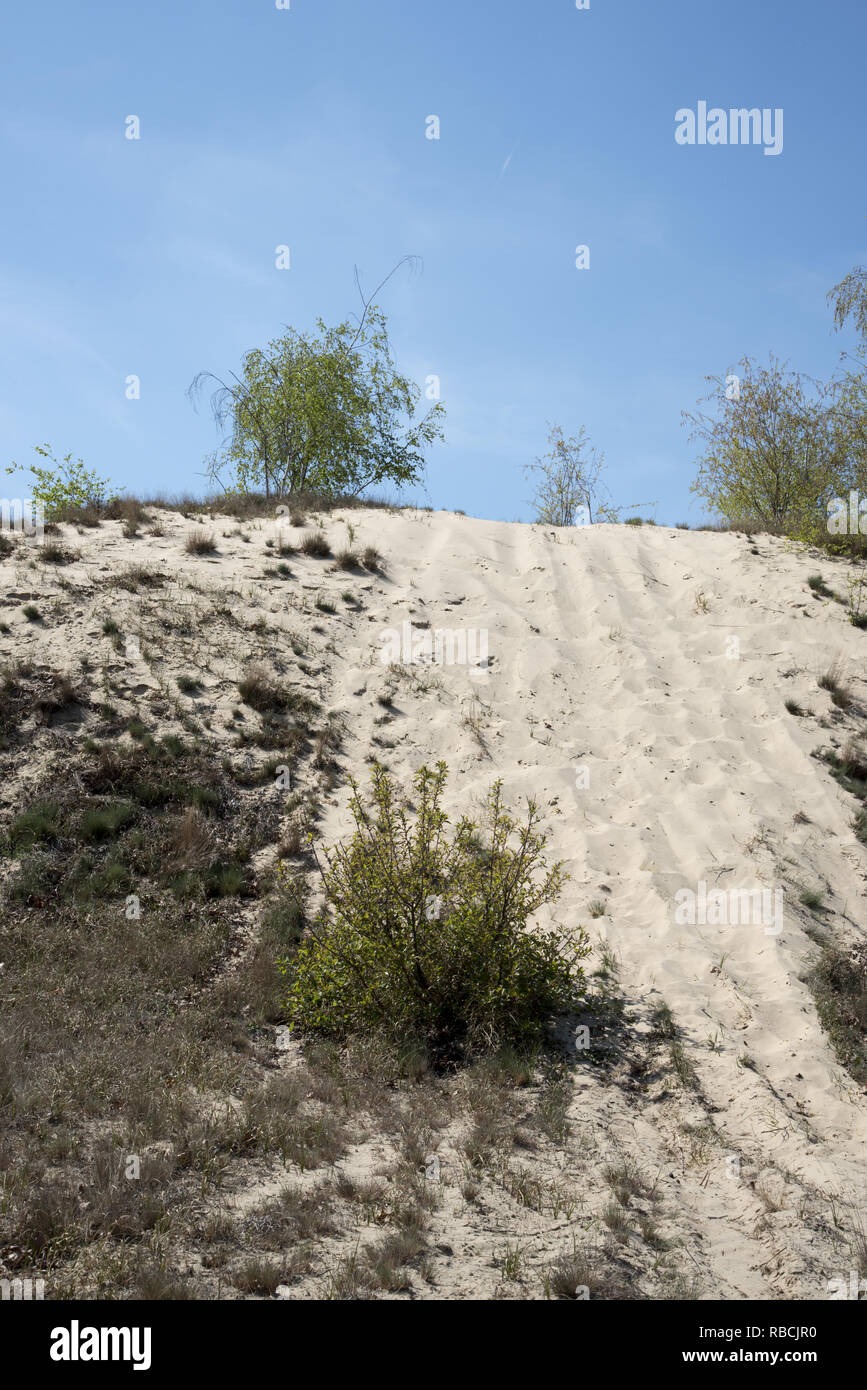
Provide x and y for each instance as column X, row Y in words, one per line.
column 306, row 127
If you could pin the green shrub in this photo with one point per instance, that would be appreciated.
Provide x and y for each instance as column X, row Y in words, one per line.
column 66, row 483
column 423, row 933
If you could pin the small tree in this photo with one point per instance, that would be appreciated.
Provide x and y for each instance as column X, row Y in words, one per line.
column 774, row 450
column 849, row 299
column 67, row 483
column 326, row 412
column 423, row 933
column 568, row 481
column 569, row 487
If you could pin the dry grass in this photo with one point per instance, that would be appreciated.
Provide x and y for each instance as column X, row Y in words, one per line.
column 316, row 545
column 833, row 682
column 200, row 543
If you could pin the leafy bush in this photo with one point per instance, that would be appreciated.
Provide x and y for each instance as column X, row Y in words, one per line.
column 423, row 933
column 67, row 483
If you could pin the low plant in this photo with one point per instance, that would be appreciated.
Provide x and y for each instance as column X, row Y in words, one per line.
column 423, row 934
column 200, row 543
column 316, row 546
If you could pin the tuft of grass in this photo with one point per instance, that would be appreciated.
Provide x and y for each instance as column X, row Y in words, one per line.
column 625, row 1181
column 24, row 690
column 616, row 1220
column 53, row 553
column 372, row 560
column 136, row 577
column 262, row 693
column 103, row 823
column 259, row 1275
column 662, row 1025
column 316, row 546
column 794, row 708
column 819, row 587
column 570, row 1277
column 31, row 613
column 39, row 825
column 200, row 543
column 55, row 691
column 832, row 682
column 389, row 1260
column 813, row 900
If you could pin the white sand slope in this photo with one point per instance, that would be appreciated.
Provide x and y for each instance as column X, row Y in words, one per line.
column 603, row 659
column 636, row 689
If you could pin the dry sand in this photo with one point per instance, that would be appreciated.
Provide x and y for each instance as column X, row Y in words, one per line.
column 635, row 688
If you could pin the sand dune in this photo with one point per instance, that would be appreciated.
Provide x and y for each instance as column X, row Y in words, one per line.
column 635, row 686
column 602, row 661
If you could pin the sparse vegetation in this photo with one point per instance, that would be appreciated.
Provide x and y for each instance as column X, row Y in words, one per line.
column 838, row 980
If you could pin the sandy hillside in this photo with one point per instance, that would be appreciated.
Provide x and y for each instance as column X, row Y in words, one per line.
column 635, row 686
